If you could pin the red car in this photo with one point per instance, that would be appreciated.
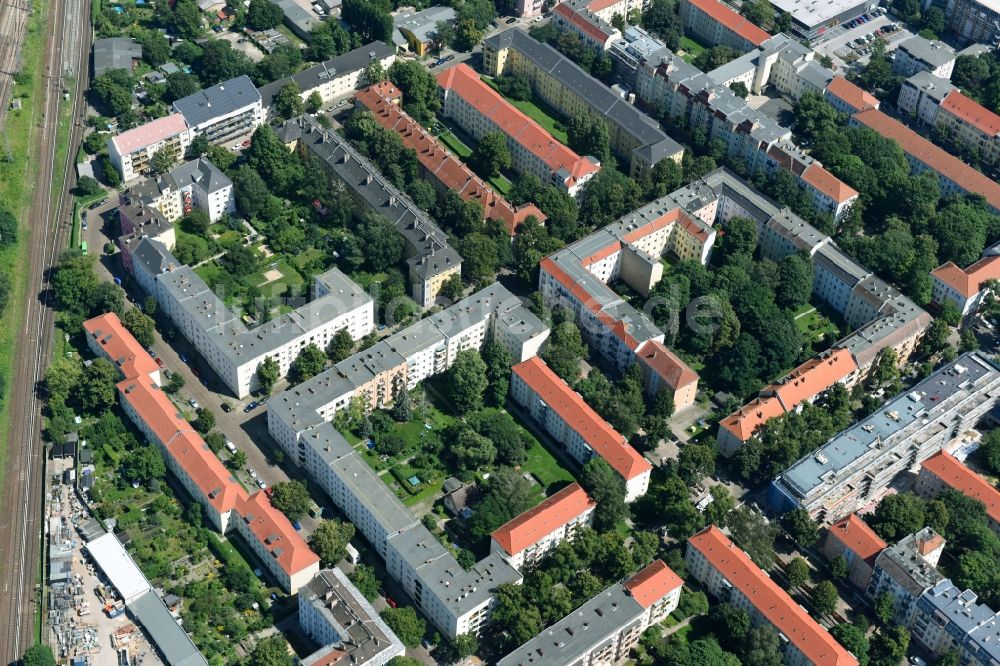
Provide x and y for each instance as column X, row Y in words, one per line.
column 160, row 364
column 392, row 602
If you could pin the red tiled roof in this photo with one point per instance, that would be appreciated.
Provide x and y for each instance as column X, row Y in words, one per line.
column 652, row 583
column 957, row 476
column 585, row 23
column 153, row 406
column 450, row 172
column 668, row 365
column 730, row 19
column 828, row 184
column 150, row 133
column 972, row 112
column 935, row 158
column 554, row 512
column 119, row 345
column 570, row 406
column 851, row 94
column 745, row 421
column 273, row 530
column 464, row 81
column 857, row 537
column 780, row 610
column 968, row 282
column 598, row 5
column 813, row 377
column 214, row 481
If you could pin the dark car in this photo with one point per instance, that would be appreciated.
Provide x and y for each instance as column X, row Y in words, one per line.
column 226, row 407
column 512, row 19
column 159, row 363
column 250, row 407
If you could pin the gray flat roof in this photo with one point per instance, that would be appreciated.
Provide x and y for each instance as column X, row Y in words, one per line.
column 813, row 13
column 172, row 642
column 218, row 100
column 313, row 77
column 115, row 53
column 923, row 402
column 933, row 86
column 933, row 53
column 979, row 624
column 423, row 24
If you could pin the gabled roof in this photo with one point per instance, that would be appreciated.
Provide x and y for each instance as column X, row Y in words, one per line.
column 745, row 421
column 273, row 530
column 149, row 133
column 780, row 610
column 851, row 94
column 824, row 181
column 857, row 537
column 972, row 112
column 731, row 20
column 586, row 21
column 812, row 378
column 606, row 442
column 534, row 524
column 652, row 583
column 969, row 281
column 120, row 346
column 668, row 365
column 955, row 475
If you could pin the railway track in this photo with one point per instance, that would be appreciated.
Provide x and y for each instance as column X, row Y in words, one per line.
column 50, row 226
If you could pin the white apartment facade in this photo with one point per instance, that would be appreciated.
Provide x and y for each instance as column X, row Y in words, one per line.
column 131, row 151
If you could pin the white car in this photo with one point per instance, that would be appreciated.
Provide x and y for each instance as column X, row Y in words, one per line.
column 194, row 403
column 261, row 484
column 252, row 472
column 230, row 446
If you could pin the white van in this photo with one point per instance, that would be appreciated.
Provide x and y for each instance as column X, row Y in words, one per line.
column 353, row 556
column 230, row 446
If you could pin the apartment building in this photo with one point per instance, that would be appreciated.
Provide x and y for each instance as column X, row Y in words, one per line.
column 194, row 184
column 954, row 175
column 333, row 79
column 664, row 370
column 847, row 97
column 965, row 288
column 443, row 168
column 635, row 138
column 479, row 110
column 943, row 471
column 857, row 543
column 948, row 620
column 431, row 260
column 232, row 350
column 575, row 17
column 577, row 276
column 131, row 151
column 605, row 629
column 858, row 464
column 629, row 52
column 571, row 422
column 273, row 540
column 729, row 575
column 224, row 112
column 334, row 614
column 905, row 570
column 456, row 601
column 525, row 540
column 918, row 54
column 974, row 20
column 921, row 96
column 716, row 24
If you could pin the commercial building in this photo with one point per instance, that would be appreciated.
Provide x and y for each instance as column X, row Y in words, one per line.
column 575, row 426
column 334, row 614
column 195, row 184
column 116, row 53
column 943, row 471
column 234, row 351
column 479, row 110
column 224, row 112
column 605, row 629
column 575, row 17
column 965, row 288
column 729, row 574
column 852, row 539
column 717, row 24
column 948, row 620
column 857, row 465
column 456, row 601
column 954, row 175
column 444, row 169
column 635, row 138
column 974, row 20
column 918, row 54
column 812, row 19
column 418, row 30
column 905, row 570
column 131, row 151
column 430, row 258
column 277, row 545
column 333, row 79
column 664, row 370
column 526, row 539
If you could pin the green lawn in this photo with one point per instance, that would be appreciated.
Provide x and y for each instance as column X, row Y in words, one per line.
column 209, row 272
column 289, row 276
column 501, row 184
column 540, row 112
column 691, row 48
column 543, row 466
column 309, row 255
column 816, row 326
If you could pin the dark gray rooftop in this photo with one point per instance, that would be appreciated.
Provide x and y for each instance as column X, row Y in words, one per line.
column 201, row 171
column 218, row 100
column 174, row 644
column 115, row 53
column 933, row 53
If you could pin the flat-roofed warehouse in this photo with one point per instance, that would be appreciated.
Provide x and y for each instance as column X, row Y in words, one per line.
column 812, row 18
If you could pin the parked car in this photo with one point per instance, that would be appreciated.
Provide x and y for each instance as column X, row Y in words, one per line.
column 183, row 358
column 298, row 526
column 194, row 403
column 392, row 602
column 511, row 20
column 250, row 407
column 252, row 472
column 230, row 446
column 226, row 407
column 261, row 484
column 160, row 364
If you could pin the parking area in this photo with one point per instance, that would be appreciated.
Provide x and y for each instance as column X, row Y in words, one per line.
column 241, row 43
column 841, row 45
